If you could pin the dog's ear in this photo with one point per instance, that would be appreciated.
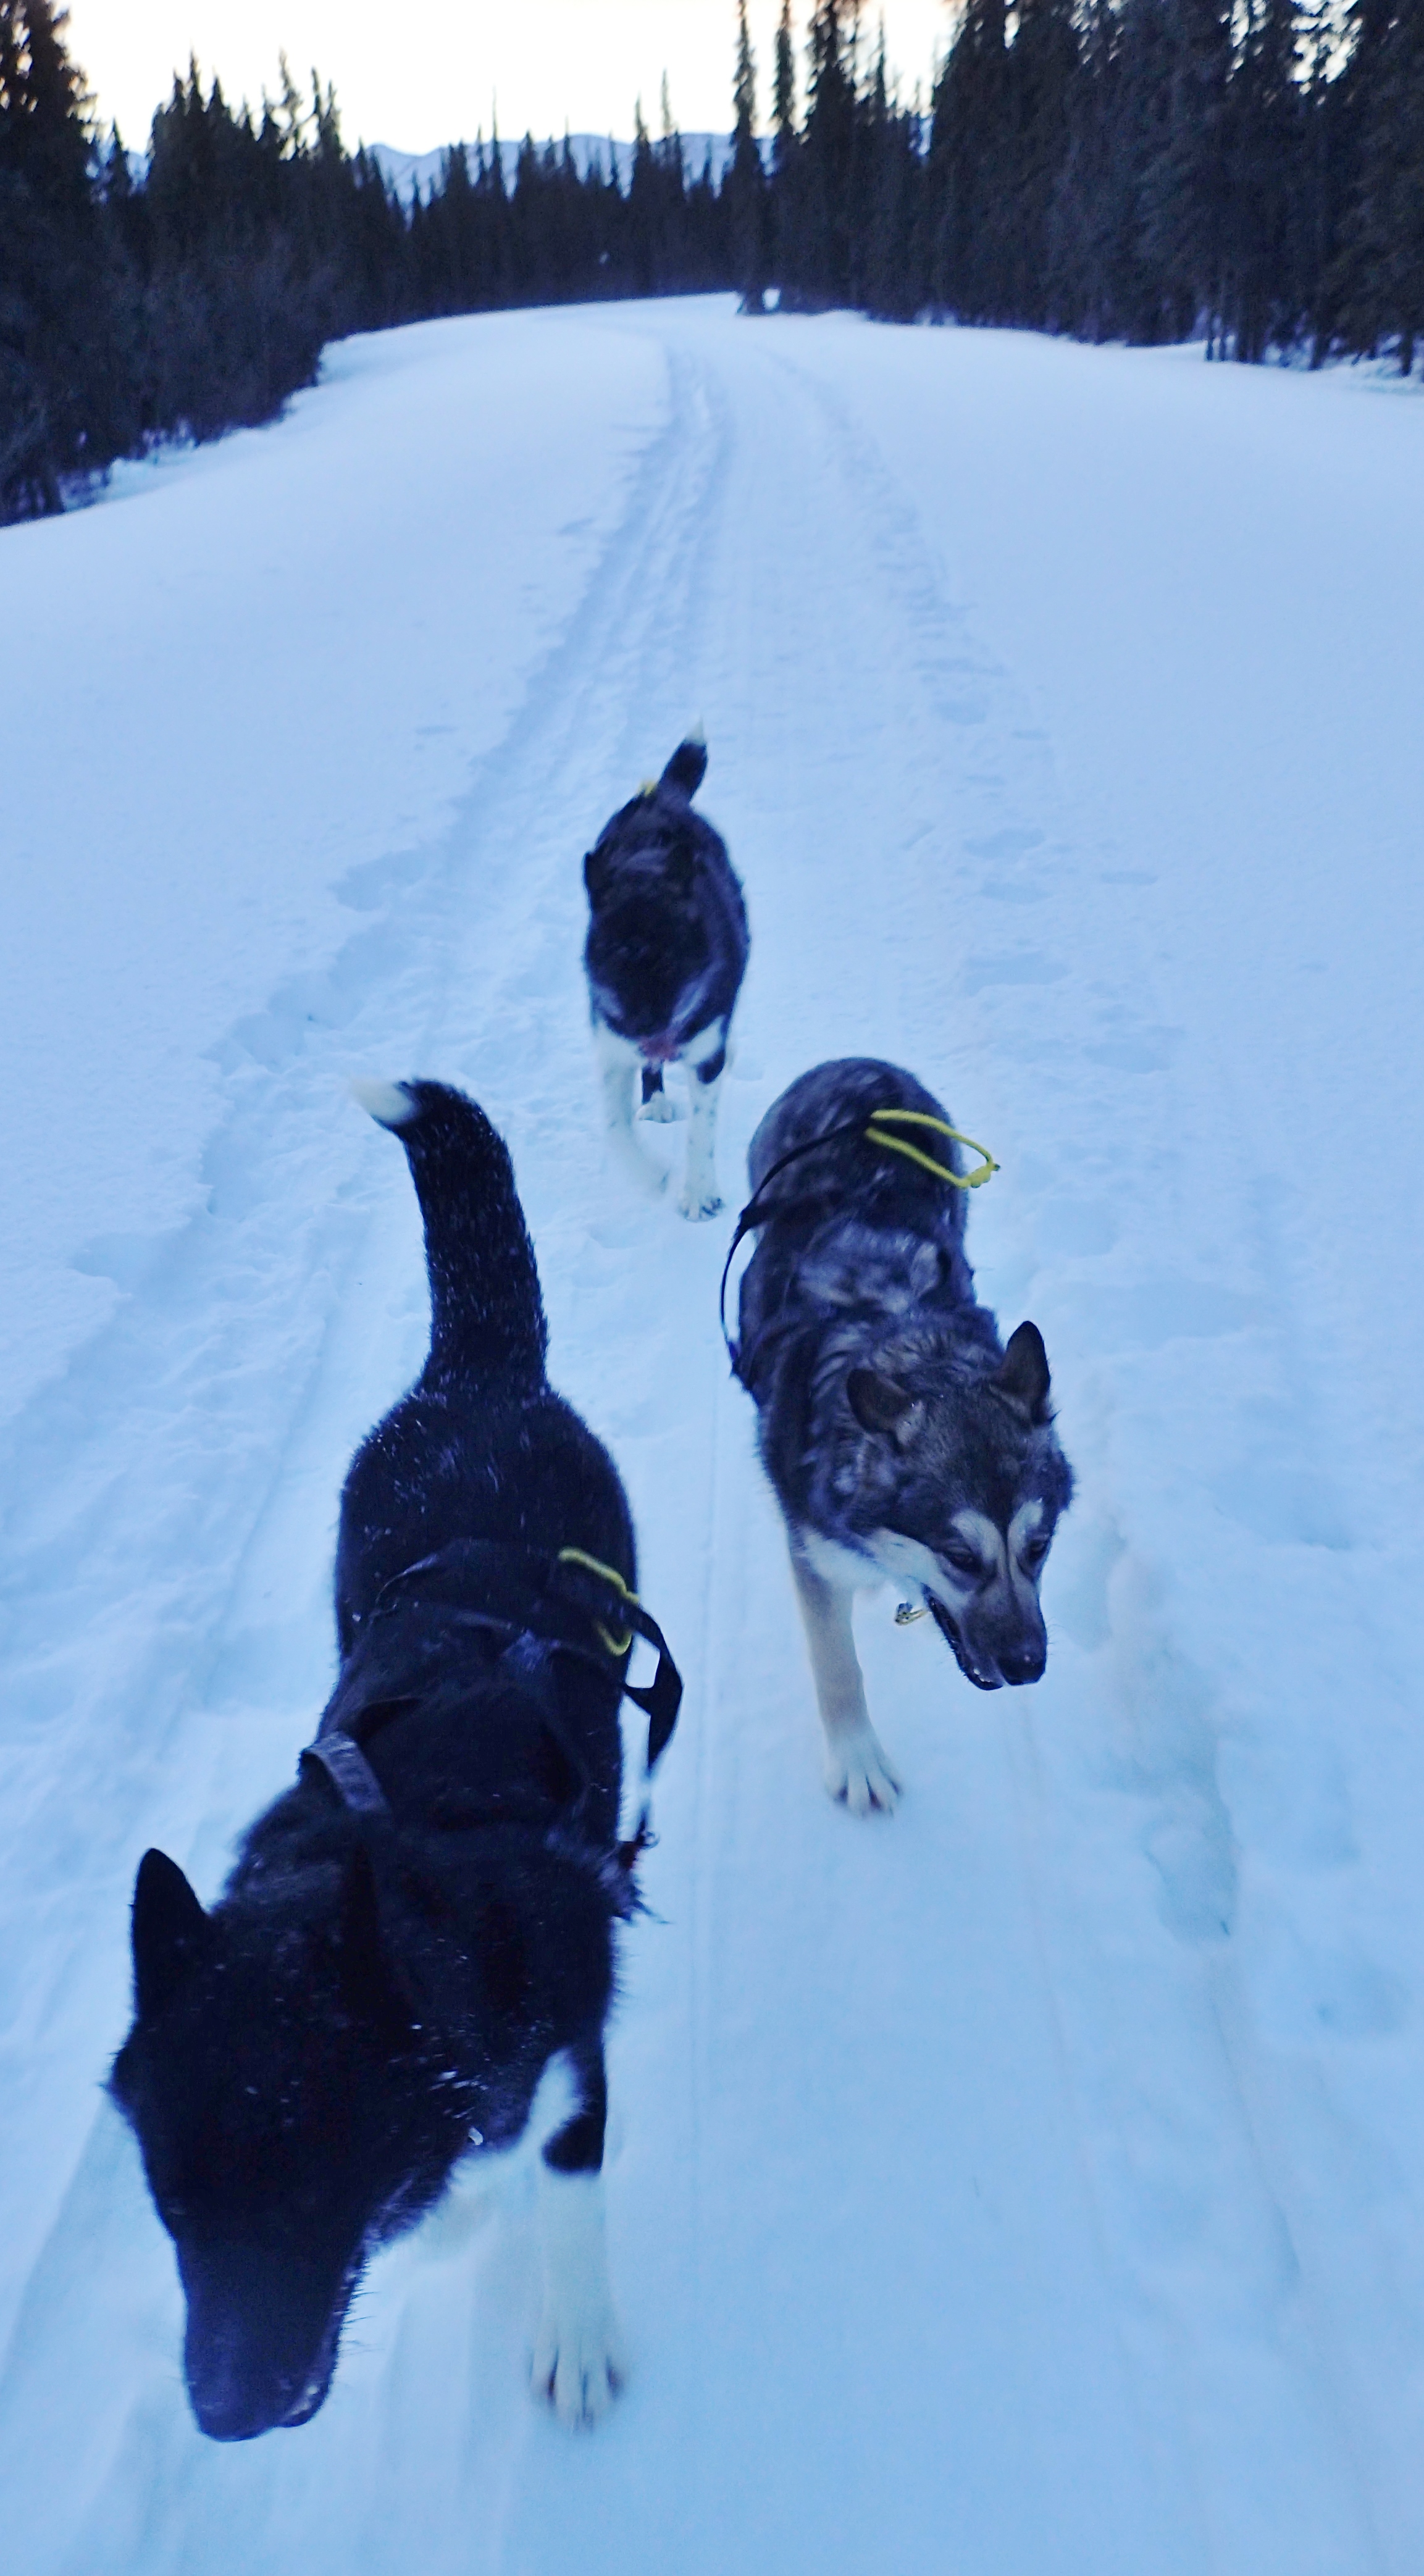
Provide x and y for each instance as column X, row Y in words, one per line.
column 597, row 874
column 879, row 1405
column 367, row 1983
column 171, row 1933
column 1022, row 1376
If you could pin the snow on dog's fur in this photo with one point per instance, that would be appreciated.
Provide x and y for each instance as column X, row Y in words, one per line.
column 901, row 1437
column 310, row 2059
column 665, row 956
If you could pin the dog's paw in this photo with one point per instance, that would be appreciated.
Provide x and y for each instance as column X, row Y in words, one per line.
column 858, row 1773
column 694, row 1205
column 578, row 2364
column 662, row 1109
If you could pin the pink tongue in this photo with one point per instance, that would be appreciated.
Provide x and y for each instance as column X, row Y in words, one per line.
column 658, row 1050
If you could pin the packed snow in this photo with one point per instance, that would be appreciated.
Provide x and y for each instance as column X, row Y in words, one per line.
column 1029, row 2185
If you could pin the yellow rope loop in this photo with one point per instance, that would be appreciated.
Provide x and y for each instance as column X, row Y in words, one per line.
column 922, row 1118
column 907, row 1613
column 649, row 786
column 610, row 1574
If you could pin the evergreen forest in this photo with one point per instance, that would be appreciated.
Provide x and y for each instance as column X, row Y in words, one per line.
column 1250, row 172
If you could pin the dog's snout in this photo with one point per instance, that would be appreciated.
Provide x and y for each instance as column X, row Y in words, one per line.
column 261, row 2336
column 1023, row 1663
column 230, row 2407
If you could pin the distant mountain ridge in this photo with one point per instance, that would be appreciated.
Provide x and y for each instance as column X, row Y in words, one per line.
column 407, row 171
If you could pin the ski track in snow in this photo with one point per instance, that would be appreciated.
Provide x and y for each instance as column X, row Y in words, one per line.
column 1027, row 2184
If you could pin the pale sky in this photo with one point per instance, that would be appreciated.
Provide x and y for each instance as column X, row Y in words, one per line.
column 425, row 73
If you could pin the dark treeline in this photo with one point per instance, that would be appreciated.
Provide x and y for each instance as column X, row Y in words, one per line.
column 193, row 292
column 1248, row 170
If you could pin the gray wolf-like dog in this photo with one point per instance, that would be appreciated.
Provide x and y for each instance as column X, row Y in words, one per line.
column 901, row 1437
column 665, row 956
column 415, row 1951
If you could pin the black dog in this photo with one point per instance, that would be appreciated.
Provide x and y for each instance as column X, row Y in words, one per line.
column 415, row 1950
column 665, row 956
column 901, row 1436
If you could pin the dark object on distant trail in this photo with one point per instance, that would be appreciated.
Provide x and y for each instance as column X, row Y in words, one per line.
column 415, row 1951
column 665, row 956
column 901, row 1437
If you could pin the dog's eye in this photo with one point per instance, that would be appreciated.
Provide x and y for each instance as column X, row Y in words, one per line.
column 963, row 1560
column 1034, row 1552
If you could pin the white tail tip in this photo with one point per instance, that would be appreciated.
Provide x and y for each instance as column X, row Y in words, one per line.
column 699, row 734
column 389, row 1103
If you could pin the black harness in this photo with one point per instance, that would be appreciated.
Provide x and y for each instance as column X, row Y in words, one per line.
column 755, row 1214
column 418, row 1642
column 820, row 1203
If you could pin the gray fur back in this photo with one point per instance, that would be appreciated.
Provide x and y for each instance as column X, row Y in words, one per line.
column 850, row 1171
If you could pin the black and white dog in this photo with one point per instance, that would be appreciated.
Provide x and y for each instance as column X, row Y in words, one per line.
column 901, row 1437
column 415, row 1950
column 665, row 956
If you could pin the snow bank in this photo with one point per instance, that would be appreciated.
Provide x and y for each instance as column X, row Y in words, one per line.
column 248, row 688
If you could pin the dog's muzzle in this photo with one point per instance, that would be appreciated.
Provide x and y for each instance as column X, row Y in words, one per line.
column 1024, row 1663
column 242, row 2381
column 985, row 1680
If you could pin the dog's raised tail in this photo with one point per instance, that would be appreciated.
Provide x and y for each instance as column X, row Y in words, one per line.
column 389, row 1103
column 486, row 1312
column 688, row 765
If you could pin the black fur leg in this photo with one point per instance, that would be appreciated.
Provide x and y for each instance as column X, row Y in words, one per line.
column 652, row 1083
column 712, row 1069
column 578, row 2146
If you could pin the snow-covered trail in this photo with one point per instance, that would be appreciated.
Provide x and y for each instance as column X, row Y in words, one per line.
column 1032, row 2182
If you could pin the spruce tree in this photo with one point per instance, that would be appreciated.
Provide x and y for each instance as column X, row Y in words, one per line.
column 1043, row 71
column 1186, row 191
column 1267, row 292
column 65, row 396
column 745, row 183
column 888, row 279
column 1146, row 296
column 1091, row 211
column 972, row 163
column 784, row 95
column 1378, row 281
column 643, row 209
column 785, row 212
column 827, row 158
